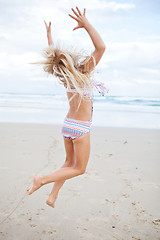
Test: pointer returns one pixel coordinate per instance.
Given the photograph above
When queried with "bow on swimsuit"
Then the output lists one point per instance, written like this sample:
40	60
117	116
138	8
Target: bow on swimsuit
73	128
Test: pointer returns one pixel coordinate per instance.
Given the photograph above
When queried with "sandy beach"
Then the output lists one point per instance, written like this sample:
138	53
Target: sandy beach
116	198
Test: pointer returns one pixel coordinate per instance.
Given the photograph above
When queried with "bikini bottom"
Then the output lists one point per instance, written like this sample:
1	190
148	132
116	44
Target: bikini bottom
73	128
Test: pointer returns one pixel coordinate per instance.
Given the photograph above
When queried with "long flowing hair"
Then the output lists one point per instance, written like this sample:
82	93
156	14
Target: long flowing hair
69	66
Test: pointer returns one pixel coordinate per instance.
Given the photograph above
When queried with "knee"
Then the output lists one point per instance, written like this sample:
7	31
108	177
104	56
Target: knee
80	170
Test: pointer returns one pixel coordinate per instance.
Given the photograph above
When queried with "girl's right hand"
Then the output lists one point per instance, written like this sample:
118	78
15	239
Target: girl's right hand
48	27
81	19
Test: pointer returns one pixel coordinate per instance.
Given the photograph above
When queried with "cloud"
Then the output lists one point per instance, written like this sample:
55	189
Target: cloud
113	6
151	71
136	53
150	37
93	5
131	68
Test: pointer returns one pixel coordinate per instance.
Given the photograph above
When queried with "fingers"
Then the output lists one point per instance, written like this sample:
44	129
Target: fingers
72	17
45	23
78	18
78	11
74	12
76	28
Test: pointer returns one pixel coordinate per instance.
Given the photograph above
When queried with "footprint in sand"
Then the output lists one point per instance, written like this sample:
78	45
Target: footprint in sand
85	229
92	173
48	231
125	195
75	192
22	214
87	219
2	234
116	217
156	222
140	213
128	183
33	225
126	227
134	203
110	154
135	238
107	201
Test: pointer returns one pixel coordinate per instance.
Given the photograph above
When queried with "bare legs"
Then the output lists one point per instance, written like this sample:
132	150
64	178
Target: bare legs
54	193
79	150
58	175
69	147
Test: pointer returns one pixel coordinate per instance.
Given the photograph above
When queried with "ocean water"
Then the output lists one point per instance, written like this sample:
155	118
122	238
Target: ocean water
109	111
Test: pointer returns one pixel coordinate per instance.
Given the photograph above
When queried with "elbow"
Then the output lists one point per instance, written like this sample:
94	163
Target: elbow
102	48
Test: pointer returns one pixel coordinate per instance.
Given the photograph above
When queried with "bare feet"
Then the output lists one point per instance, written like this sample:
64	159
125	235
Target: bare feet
51	201
37	183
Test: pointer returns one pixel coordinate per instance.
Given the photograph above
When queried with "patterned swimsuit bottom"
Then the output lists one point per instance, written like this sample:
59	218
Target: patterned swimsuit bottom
73	128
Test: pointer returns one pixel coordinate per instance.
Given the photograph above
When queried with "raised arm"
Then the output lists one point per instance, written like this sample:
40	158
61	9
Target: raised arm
49	36
94	35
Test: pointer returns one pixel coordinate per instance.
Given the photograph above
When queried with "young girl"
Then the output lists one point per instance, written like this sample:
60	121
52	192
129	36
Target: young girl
76	78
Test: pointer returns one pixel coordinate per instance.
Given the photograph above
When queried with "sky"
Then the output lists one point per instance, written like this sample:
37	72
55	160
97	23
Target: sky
130	30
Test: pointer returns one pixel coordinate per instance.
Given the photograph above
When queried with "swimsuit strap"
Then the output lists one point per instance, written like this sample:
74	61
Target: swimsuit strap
100	87
71	90
85	91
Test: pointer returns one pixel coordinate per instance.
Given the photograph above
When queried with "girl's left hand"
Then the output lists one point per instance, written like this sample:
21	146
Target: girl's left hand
48	27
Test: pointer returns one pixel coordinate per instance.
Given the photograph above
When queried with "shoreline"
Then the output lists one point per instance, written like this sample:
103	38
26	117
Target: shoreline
93	126
115	111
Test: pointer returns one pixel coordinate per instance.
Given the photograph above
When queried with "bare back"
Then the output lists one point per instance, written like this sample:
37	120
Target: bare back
84	111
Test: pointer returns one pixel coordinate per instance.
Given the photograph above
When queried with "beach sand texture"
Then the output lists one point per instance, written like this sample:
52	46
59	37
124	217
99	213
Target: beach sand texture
116	199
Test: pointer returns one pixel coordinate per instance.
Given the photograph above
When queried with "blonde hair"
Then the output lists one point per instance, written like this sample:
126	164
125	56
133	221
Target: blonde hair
70	67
